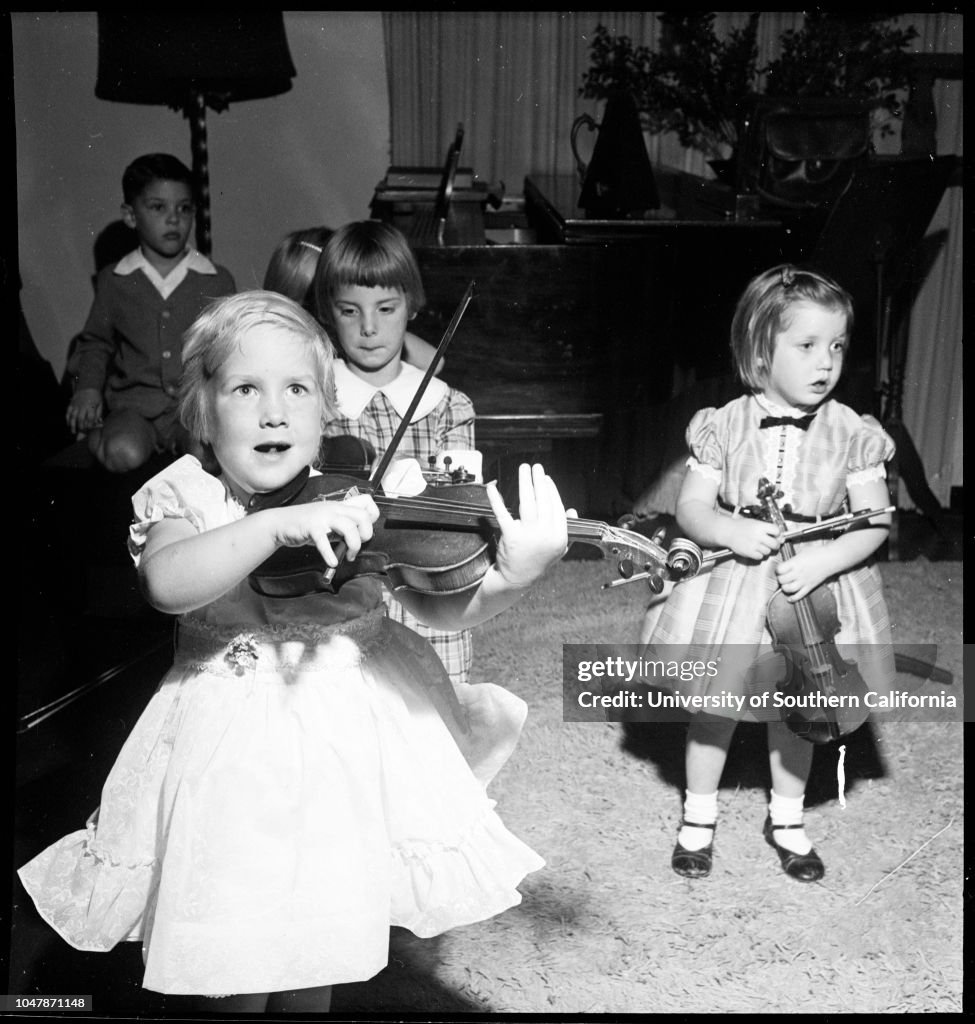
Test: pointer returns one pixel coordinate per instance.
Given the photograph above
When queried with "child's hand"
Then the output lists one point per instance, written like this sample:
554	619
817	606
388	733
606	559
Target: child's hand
84	410
535	541
800	575
312	522
754	539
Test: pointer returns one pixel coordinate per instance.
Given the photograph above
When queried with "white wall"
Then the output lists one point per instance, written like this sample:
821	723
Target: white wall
310	156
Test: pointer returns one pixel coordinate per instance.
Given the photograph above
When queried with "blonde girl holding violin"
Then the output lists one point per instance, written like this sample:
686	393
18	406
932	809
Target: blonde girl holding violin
789	338
290	791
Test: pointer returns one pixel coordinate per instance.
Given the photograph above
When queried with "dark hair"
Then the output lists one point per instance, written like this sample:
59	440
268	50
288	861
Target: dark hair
144	170
763	312
370	254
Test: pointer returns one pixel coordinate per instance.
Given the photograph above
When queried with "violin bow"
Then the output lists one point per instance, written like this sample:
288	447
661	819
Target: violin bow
376	476
383	464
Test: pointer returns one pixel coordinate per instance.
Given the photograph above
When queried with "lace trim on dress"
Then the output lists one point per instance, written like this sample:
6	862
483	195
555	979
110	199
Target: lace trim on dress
704	469
782	460
866	476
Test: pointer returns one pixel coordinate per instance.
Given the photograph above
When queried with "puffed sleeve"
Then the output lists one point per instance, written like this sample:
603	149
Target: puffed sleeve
870	447
703	440
183	490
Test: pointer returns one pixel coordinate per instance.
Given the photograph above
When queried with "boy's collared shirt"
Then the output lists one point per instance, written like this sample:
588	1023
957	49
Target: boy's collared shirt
131	345
192	260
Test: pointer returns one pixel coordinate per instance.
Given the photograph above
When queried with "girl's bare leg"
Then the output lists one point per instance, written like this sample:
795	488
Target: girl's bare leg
708	741
790	759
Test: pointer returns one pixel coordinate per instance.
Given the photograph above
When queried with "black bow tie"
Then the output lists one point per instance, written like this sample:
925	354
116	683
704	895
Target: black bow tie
802	422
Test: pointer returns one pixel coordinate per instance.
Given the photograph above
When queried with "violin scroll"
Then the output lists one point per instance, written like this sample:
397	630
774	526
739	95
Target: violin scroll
684	559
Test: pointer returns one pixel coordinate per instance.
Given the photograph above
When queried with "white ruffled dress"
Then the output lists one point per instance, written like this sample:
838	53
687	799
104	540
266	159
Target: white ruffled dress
289	793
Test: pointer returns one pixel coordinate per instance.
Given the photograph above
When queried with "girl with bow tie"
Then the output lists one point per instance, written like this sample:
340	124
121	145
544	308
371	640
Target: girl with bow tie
789	338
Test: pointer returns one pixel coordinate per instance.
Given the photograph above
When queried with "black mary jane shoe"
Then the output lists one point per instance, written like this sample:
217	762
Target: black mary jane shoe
692	863
803	867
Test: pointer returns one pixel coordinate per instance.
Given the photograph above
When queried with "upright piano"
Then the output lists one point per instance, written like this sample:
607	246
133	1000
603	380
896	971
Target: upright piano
581	324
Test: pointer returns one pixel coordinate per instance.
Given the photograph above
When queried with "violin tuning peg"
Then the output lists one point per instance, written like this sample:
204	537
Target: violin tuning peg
655	581
626	568
659	535
627	521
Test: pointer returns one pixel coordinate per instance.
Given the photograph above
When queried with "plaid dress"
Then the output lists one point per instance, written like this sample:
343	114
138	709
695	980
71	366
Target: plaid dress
722	611
447	424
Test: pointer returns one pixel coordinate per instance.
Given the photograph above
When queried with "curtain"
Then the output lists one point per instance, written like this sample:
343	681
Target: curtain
513	79
933	409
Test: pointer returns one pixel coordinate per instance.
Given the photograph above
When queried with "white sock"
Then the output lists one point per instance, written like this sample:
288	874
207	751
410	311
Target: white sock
787	810
703	809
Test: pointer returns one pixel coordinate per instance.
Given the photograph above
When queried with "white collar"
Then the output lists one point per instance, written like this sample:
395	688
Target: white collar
192	260
353	394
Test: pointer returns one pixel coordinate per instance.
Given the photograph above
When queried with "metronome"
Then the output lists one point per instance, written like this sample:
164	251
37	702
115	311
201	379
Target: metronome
619	180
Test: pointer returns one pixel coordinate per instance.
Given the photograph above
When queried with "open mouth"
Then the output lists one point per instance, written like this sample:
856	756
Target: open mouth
272	448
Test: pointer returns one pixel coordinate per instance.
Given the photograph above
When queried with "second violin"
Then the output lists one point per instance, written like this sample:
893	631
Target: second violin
827	692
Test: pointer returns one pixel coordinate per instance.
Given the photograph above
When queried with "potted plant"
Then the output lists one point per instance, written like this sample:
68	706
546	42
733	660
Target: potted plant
701	86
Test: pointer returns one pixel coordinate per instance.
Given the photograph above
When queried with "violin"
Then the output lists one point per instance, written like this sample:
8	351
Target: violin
441	541
816	674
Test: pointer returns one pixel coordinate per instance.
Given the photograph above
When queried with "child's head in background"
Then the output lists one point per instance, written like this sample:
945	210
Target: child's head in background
291	269
367	288
789	335
257	387
158	205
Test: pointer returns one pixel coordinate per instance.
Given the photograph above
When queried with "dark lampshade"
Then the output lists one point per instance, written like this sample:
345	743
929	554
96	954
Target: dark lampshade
190	62
160	58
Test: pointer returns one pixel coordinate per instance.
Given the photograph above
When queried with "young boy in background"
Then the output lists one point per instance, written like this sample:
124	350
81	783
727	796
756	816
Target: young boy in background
127	360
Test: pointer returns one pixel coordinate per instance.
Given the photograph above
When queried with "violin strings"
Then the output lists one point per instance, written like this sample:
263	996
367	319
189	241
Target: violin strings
460	511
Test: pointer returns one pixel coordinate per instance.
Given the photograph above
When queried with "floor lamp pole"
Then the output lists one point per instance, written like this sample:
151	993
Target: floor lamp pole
196	112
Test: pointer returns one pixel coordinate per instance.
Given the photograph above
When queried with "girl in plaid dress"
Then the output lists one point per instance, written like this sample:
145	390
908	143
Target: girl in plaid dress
291	270
789	337
367	287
